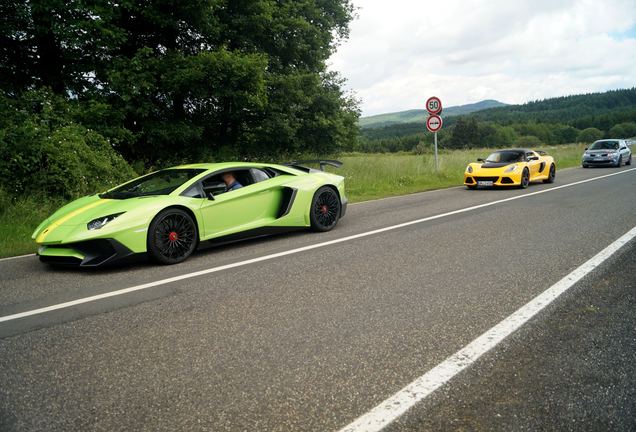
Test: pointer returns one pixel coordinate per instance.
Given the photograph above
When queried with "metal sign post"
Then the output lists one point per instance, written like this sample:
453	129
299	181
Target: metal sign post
434	124
436	162
434	121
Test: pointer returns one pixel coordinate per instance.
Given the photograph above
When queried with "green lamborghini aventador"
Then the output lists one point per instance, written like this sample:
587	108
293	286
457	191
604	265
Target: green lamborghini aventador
169	213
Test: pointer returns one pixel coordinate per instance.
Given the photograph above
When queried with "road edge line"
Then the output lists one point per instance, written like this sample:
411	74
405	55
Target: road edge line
16	257
288	252
395	406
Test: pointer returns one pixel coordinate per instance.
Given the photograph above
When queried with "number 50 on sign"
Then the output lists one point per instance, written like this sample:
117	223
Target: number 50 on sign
434	105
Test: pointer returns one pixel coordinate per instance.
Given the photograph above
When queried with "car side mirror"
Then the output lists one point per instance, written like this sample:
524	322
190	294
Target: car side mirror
585	148
480	160
533	158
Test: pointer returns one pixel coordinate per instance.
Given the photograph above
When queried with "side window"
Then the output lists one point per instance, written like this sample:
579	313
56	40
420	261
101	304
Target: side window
529	155
259	175
193	191
213	185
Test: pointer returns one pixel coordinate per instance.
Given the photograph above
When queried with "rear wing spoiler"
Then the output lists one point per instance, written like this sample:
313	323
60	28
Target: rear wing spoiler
322	162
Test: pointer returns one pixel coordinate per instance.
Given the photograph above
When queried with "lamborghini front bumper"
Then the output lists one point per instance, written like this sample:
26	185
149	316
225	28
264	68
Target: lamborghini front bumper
90	253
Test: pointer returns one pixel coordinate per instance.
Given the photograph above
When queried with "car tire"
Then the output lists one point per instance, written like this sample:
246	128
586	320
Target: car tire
172	236
525	179
325	209
585	166
551	175
471	187
619	162
629	161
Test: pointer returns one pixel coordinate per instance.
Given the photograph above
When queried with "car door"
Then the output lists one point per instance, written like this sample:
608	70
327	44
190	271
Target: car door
249	207
624	151
534	165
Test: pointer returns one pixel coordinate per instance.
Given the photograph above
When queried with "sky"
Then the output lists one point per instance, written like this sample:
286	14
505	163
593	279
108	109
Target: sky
400	52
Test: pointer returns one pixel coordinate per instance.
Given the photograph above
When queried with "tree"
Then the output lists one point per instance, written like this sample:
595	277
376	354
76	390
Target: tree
529	141
465	133
565	134
623	130
168	80
589	135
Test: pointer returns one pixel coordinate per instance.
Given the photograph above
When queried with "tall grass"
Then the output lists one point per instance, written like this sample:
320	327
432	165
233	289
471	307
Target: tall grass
368	176
18	220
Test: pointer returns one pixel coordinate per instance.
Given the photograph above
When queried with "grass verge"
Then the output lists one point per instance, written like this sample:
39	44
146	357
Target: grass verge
18	220
369	176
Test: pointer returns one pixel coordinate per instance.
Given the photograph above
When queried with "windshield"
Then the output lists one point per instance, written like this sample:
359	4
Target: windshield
505	157
159	183
604	145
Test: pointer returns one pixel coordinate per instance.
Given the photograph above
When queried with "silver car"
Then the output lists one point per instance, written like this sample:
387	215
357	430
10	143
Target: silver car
608	152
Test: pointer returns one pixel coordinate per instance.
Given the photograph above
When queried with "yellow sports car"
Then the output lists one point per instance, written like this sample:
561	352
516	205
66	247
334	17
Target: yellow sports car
516	167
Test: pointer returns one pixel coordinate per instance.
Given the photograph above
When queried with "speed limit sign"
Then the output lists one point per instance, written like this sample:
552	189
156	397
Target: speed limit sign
434	105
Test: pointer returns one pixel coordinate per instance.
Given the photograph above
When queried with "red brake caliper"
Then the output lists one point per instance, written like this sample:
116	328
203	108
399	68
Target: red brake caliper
173	237
324	209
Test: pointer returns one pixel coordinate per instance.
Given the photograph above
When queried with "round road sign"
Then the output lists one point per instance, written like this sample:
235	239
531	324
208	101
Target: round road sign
434	123
434	105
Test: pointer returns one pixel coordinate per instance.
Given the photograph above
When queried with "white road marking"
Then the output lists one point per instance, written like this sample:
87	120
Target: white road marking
392	408
351	204
286	253
16	257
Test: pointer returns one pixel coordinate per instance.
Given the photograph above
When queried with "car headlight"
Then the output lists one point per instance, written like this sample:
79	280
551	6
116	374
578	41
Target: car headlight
98	223
511	168
469	169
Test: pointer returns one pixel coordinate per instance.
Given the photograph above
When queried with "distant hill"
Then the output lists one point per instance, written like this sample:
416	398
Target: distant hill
419	115
578	118
577	110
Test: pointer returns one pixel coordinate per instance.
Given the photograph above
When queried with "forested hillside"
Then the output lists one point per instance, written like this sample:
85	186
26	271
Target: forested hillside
90	88
580	118
419	115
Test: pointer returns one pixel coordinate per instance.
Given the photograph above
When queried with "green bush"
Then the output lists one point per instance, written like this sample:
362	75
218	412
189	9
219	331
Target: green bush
528	141
589	135
78	161
5	201
42	152
623	130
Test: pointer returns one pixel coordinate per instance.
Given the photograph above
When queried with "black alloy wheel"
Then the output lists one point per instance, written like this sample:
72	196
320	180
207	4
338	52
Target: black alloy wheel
172	236
629	161
619	162
552	175
325	209
525	178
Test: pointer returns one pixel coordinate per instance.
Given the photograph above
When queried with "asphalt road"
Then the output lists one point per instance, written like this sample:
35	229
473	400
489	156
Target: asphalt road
314	339
572	369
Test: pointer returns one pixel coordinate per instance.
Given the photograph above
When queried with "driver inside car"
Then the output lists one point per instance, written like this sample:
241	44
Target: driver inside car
230	182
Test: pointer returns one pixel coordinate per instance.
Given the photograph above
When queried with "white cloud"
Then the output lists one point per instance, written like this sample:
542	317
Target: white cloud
402	51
